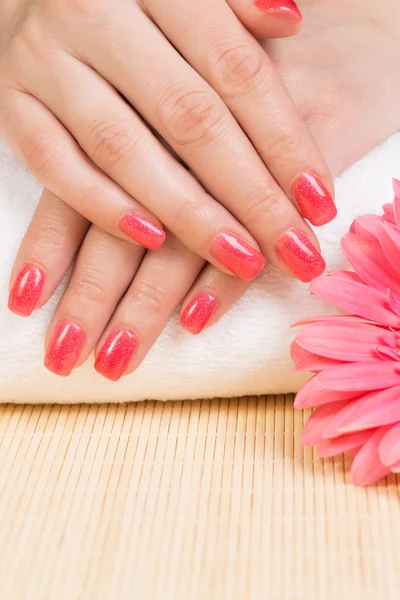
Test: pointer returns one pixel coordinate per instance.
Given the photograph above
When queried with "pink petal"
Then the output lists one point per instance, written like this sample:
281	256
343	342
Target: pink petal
396	201
354	451
389	448
306	361
334	319
369	262
348	276
367	467
345	341
386	353
341	444
314	394
370	411
367	226
320	418
388	210
389	238
396	186
394	302
356	298
361	377
395	468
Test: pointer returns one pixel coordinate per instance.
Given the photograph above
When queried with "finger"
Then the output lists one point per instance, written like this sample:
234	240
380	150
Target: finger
214	293
240	71
118	141
55	159
162	280
209	299
45	253
268	18
103	271
193	120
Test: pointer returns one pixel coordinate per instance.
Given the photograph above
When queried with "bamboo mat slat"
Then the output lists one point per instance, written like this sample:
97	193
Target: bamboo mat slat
206	500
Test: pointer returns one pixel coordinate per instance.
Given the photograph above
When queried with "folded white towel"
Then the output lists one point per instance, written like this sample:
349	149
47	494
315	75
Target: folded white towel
245	353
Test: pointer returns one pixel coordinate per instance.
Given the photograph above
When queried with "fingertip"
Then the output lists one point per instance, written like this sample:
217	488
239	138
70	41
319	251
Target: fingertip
26	290
313	198
299	255
142	230
269	18
115	355
282	9
198	312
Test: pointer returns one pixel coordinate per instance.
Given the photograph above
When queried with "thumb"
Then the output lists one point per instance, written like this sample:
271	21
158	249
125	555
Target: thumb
268	18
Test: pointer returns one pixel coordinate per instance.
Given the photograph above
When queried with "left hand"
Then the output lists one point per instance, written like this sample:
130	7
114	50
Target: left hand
119	297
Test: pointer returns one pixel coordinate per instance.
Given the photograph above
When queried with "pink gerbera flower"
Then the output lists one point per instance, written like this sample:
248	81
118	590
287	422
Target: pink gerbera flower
356	356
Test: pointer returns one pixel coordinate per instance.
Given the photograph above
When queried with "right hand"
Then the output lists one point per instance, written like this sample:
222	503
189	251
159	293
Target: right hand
202	82
109	289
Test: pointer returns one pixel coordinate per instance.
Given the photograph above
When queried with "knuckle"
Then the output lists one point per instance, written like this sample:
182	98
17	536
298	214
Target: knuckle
110	145
262	206
50	232
44	157
239	68
148	296
185	216
91	201
28	35
82	8
194	213
89	287
283	146
190	117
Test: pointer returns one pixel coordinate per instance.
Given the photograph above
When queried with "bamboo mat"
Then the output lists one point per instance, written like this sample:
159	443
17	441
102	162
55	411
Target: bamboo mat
187	500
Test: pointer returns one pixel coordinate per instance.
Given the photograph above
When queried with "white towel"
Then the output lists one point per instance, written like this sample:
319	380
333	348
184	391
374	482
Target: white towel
247	352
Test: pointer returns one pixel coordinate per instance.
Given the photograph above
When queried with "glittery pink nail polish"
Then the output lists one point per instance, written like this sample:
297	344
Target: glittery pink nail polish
142	231
65	347
237	256
295	249
26	290
313	199
280	8
199	311
116	353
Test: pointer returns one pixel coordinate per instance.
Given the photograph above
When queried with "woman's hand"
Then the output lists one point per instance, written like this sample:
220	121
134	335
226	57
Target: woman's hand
80	80
119	297
347	118
342	70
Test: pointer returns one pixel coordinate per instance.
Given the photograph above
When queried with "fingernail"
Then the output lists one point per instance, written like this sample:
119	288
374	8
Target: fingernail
142	231
65	347
237	256
297	252
26	290
313	199
280	8
199	311
116	353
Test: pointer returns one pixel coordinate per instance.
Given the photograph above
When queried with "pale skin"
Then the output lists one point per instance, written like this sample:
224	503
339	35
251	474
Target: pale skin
208	90
335	105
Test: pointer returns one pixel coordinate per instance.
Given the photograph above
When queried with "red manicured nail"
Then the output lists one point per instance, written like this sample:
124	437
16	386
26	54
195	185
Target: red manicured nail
280	8
65	347
26	290
113	359
237	256
199	311
295	249
142	231
313	199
